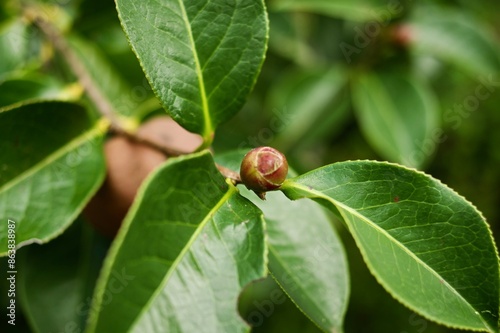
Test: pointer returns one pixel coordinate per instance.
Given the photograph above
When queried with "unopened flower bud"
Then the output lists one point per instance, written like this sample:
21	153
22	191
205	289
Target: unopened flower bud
263	169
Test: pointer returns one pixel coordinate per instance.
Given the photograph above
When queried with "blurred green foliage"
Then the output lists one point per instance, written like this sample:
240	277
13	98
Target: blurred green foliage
303	105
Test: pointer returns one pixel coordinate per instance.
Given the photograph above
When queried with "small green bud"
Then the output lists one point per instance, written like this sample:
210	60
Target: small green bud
263	169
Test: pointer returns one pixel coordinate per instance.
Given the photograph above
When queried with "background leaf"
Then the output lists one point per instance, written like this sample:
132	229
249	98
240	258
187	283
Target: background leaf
398	114
306	256
457	38
31	88
58	278
428	246
315	103
202	58
119	93
186	249
287	39
51	164
356	10
14	42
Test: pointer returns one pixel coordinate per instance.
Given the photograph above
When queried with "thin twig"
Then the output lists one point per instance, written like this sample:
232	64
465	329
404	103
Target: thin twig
135	137
101	103
169	152
228	173
56	38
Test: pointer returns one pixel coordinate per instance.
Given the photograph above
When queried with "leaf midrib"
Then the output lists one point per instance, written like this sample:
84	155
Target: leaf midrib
230	192
55	155
207	130
354	212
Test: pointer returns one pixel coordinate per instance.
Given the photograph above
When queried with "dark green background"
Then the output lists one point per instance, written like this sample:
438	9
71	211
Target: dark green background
467	160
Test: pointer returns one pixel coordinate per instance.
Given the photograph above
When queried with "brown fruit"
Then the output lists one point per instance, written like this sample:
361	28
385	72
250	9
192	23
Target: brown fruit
128	164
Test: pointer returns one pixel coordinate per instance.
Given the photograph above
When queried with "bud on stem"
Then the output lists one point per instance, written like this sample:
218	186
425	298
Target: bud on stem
263	169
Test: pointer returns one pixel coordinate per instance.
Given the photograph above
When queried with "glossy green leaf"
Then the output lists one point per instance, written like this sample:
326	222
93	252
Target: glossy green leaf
399	116
429	247
201	57
355	10
306	256
457	38
187	247
312	101
58	278
51	164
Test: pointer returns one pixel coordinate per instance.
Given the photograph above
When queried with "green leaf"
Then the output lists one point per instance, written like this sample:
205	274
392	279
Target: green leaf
287	39
58	278
306	256
201	57
313	101
51	164
355	10
307	259
399	116
32	87
429	247
187	247
14	41
457	38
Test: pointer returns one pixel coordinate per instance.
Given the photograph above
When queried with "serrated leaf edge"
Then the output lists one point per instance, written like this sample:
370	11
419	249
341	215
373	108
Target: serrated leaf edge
106	270
289	184
94	133
230	192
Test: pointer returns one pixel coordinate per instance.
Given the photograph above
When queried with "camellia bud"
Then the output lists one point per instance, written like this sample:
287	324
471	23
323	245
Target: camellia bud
263	169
